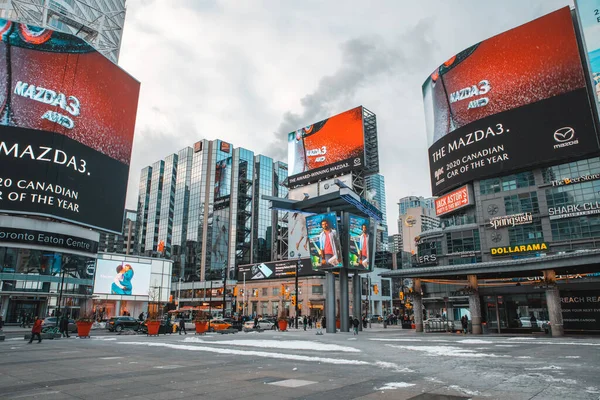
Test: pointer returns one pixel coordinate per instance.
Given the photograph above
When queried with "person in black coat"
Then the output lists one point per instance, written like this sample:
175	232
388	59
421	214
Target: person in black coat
323	323
64	326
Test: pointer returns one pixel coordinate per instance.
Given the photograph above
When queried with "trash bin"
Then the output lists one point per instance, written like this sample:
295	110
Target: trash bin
484	328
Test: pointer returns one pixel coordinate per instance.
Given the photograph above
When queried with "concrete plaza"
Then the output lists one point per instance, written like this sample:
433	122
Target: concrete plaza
378	363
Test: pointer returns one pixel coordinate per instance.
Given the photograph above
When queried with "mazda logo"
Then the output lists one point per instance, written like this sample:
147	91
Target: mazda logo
564	134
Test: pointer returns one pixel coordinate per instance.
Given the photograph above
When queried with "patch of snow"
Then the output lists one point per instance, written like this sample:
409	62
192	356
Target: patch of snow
352	338
434	380
475	341
252	353
395	385
448	351
521	338
524	357
395	367
506	345
464	391
592	389
551	379
482	348
554	367
572	356
295	369
279	344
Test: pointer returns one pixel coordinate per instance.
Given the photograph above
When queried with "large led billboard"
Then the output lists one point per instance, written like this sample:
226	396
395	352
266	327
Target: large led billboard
67	117
122	278
335	145
324	238
275	270
512	101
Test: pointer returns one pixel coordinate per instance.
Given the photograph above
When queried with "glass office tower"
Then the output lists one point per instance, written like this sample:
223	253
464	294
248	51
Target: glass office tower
205	204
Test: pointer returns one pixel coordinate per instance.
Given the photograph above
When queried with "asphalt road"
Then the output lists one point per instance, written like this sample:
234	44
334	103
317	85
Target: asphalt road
389	363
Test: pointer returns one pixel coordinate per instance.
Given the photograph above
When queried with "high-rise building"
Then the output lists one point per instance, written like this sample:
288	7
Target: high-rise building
395	243
375	186
114	243
417	215
98	22
205	205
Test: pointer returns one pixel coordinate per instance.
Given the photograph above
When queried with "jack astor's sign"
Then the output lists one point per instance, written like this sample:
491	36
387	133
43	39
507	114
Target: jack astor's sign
511	220
523	248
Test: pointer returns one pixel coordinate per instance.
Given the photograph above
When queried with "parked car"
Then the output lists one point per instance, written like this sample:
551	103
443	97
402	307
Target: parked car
262	323
117	324
51	321
376	318
218	325
526	322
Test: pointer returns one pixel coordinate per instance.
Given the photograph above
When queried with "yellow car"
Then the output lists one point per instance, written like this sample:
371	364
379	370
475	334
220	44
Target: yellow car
218	325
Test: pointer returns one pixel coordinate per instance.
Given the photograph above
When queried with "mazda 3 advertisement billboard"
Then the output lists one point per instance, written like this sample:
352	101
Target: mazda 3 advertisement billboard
67	118
330	147
512	101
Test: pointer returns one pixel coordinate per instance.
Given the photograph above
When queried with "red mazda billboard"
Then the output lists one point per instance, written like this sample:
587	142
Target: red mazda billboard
66	128
488	107
330	147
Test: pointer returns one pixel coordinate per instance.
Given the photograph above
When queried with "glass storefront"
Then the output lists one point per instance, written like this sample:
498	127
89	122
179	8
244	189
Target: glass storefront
515	312
30	282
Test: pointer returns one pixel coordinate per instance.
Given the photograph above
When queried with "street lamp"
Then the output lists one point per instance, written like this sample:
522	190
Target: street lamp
244	297
297	299
224	288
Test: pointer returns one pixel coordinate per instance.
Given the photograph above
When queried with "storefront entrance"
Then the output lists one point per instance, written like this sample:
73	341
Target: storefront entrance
515	313
17	309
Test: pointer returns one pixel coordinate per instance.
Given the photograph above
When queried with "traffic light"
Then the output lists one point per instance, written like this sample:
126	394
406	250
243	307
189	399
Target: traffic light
294	300
401	295
255	293
375	289
235	291
282	288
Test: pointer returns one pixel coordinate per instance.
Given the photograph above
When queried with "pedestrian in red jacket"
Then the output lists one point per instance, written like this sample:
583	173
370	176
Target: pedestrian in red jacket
36	330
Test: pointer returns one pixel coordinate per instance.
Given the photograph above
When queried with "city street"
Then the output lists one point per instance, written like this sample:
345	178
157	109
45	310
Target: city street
380	363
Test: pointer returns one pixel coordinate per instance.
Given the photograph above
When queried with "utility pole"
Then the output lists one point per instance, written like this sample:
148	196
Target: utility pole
369	301
296	283
179	294
60	293
244	297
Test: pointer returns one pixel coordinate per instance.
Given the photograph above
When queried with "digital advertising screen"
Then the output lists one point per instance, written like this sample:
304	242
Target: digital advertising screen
275	270
588	12
67	118
361	243
324	238
335	145
122	278
488	106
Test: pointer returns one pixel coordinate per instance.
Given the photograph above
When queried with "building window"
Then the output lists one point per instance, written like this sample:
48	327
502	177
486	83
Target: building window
571	170
264	291
576	228
386	287
464	260
317	289
458	242
506	183
276	291
525	234
521	203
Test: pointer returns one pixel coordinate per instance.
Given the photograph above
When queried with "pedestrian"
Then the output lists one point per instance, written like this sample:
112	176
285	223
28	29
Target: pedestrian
182	325
355	324
1	323
323	322
256	322
36	330
141	316
305	322
64	326
465	323
310	322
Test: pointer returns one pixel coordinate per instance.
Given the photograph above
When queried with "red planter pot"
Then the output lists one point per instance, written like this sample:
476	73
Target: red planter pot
201	327
153	327
282	325
83	328
338	324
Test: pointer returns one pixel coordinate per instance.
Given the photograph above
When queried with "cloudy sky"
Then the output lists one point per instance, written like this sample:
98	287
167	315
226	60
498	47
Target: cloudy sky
248	72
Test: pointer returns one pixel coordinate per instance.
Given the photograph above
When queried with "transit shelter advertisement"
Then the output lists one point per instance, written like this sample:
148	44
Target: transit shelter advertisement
66	128
580	310
483	118
122	278
335	145
324	237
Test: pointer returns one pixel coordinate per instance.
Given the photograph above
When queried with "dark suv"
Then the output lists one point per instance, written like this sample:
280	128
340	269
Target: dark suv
119	323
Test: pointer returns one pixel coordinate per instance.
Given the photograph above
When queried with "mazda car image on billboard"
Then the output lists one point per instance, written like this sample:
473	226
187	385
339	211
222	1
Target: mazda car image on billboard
335	145
515	100
67	117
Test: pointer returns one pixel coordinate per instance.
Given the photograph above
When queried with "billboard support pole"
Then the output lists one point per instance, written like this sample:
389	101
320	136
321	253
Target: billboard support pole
357	302
344	303
296	291
330	296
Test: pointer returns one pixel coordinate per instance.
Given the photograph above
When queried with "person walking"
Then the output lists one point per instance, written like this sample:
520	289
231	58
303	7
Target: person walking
36	330
64	326
355	324
310	322
1	323
304	322
324	322
182	325
465	324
